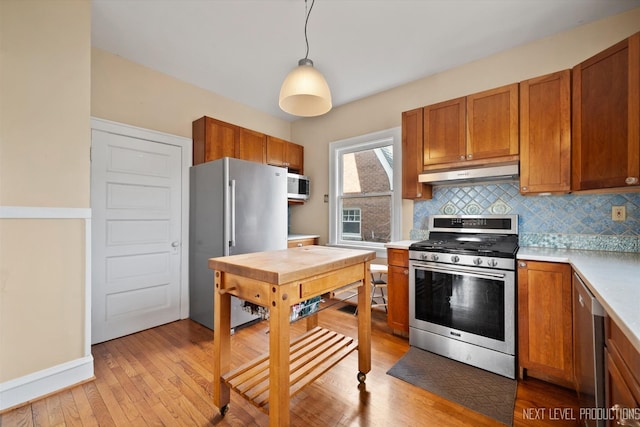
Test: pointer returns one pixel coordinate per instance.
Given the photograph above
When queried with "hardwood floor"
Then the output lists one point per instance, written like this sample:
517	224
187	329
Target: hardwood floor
162	376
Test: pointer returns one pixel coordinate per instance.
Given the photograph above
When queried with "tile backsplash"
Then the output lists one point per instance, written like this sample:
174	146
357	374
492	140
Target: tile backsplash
576	221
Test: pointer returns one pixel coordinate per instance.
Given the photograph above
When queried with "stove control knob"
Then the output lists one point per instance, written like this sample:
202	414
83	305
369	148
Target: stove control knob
424	257
455	259
434	257
477	261
493	263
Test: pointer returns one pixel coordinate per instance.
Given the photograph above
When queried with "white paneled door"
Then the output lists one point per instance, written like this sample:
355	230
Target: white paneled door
136	234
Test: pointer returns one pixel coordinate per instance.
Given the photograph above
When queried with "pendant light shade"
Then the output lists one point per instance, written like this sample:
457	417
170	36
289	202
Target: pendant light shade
305	92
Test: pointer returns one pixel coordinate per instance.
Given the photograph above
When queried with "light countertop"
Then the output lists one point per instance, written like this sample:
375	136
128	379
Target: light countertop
302	236
400	244
612	277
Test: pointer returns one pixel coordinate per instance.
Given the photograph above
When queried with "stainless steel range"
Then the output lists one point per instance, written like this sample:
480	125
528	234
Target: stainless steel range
462	290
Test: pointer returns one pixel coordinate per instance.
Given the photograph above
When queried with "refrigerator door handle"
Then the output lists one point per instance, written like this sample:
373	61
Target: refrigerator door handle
232	241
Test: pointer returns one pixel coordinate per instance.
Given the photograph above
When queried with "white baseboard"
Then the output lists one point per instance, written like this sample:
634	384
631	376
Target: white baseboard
38	384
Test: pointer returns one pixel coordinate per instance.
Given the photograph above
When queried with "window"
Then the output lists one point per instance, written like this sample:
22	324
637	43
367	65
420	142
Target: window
364	208
351	224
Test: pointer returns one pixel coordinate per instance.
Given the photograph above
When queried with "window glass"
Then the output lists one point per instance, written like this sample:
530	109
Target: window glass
351	224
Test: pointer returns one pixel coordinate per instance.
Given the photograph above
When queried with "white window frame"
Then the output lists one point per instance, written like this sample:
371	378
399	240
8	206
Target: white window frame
337	149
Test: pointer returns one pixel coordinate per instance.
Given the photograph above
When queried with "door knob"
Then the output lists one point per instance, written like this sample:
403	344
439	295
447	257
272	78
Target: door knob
175	244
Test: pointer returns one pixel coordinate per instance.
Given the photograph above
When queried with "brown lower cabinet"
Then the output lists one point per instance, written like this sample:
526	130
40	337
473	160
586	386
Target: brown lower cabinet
545	332
622	379
545	340
398	291
306	241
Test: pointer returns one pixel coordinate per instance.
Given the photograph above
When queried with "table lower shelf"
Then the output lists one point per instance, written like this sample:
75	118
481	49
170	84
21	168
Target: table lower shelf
310	355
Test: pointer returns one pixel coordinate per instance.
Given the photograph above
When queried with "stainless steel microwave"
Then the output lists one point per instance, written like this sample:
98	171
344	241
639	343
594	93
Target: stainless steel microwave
297	186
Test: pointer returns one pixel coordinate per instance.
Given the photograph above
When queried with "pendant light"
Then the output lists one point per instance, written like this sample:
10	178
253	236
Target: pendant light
304	91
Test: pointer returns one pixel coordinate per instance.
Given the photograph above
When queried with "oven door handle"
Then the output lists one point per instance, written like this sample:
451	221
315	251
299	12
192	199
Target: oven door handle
453	270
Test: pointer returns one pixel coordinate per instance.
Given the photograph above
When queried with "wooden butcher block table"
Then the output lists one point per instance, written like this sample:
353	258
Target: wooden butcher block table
278	280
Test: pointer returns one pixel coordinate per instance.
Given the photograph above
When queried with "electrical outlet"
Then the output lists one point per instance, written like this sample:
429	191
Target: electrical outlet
618	213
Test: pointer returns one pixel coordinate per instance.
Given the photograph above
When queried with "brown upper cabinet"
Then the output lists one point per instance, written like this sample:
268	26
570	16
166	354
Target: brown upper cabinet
445	137
284	153
606	118
214	139
252	146
545	134
492	123
476	129
412	156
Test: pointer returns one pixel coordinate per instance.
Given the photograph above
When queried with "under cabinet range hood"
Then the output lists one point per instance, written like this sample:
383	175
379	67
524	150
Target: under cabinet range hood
478	174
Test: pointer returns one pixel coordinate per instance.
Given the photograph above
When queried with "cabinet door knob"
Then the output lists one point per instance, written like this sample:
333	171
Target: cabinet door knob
522	264
462	157
632	180
525	188
406	272
469	156
299	245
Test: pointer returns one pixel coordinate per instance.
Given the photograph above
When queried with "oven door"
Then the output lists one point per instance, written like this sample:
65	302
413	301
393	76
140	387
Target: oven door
472	305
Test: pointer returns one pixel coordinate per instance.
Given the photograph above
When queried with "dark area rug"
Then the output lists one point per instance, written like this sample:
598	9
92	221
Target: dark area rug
479	390
349	308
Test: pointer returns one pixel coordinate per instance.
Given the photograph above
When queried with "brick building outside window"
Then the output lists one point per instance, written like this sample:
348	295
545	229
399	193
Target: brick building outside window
366	194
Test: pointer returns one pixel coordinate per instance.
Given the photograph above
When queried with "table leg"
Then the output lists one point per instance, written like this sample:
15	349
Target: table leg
221	342
279	359
312	321
364	323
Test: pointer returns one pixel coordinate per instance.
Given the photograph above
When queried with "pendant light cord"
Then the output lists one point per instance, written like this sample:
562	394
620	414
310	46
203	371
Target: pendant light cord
306	40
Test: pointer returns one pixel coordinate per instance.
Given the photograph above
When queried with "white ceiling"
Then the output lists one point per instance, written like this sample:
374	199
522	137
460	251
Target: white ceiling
243	49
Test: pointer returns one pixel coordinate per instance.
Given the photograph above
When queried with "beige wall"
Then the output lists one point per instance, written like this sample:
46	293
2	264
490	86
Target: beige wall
126	92
42	306
384	110
44	164
45	100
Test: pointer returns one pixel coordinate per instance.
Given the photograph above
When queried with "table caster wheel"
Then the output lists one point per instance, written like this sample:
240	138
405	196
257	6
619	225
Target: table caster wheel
362	377
224	410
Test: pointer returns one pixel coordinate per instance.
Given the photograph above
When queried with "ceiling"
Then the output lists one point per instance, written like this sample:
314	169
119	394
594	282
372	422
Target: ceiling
243	49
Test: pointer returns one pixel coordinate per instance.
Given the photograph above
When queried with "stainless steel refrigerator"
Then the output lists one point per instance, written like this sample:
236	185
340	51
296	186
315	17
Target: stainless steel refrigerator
236	207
